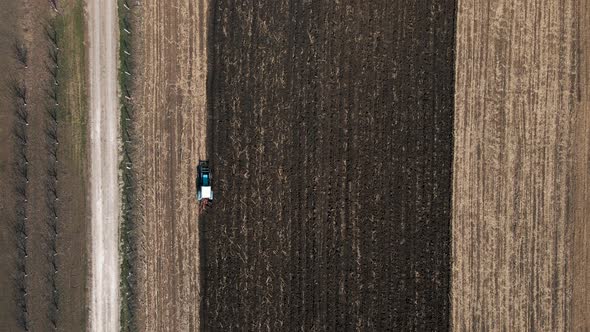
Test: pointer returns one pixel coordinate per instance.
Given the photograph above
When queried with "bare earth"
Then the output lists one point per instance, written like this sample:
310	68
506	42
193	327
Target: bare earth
104	189
512	229
26	21
9	13
171	123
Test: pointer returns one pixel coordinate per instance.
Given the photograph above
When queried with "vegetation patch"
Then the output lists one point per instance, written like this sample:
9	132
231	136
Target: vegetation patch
20	97
54	109
128	246
45	185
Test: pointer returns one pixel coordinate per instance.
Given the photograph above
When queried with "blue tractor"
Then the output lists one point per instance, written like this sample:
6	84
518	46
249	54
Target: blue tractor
204	192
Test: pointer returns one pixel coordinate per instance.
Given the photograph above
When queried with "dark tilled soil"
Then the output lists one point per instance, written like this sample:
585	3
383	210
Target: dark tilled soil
331	145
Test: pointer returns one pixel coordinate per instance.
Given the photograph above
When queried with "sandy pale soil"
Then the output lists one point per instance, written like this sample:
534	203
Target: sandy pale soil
104	189
512	229
170	127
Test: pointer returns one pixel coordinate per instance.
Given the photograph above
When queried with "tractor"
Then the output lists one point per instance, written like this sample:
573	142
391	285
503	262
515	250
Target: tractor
203	182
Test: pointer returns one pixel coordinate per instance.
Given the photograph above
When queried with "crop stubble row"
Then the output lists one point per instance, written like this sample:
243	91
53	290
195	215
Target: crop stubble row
331	139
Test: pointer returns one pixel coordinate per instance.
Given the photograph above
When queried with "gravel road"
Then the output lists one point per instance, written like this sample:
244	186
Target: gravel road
104	195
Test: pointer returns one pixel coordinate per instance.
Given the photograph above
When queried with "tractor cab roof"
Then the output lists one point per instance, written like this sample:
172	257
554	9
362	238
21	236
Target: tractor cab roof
206	193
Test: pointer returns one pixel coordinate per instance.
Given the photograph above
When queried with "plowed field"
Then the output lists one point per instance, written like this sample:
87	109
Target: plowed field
331	133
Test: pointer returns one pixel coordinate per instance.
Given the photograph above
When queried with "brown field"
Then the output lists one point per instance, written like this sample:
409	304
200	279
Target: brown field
170	104
26	21
581	181
378	165
9	12
515	103
331	145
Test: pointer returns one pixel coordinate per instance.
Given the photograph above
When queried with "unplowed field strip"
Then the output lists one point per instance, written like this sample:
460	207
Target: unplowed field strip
171	62
514	106
332	156
581	180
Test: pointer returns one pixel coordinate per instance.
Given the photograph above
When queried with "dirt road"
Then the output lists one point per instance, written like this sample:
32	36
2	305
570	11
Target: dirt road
104	190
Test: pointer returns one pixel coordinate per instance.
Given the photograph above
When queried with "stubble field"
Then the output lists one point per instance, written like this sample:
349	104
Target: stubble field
580	266
170	57
331	137
520	164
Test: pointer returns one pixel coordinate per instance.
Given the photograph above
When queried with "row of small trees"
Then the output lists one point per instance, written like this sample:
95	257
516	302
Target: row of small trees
20	97
128	239
51	183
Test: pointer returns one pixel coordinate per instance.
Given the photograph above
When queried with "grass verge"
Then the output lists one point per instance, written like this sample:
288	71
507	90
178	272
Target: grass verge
68	107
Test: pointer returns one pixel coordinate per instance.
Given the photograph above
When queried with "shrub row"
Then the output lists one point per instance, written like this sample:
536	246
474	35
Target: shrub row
128	240
19	94
51	182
